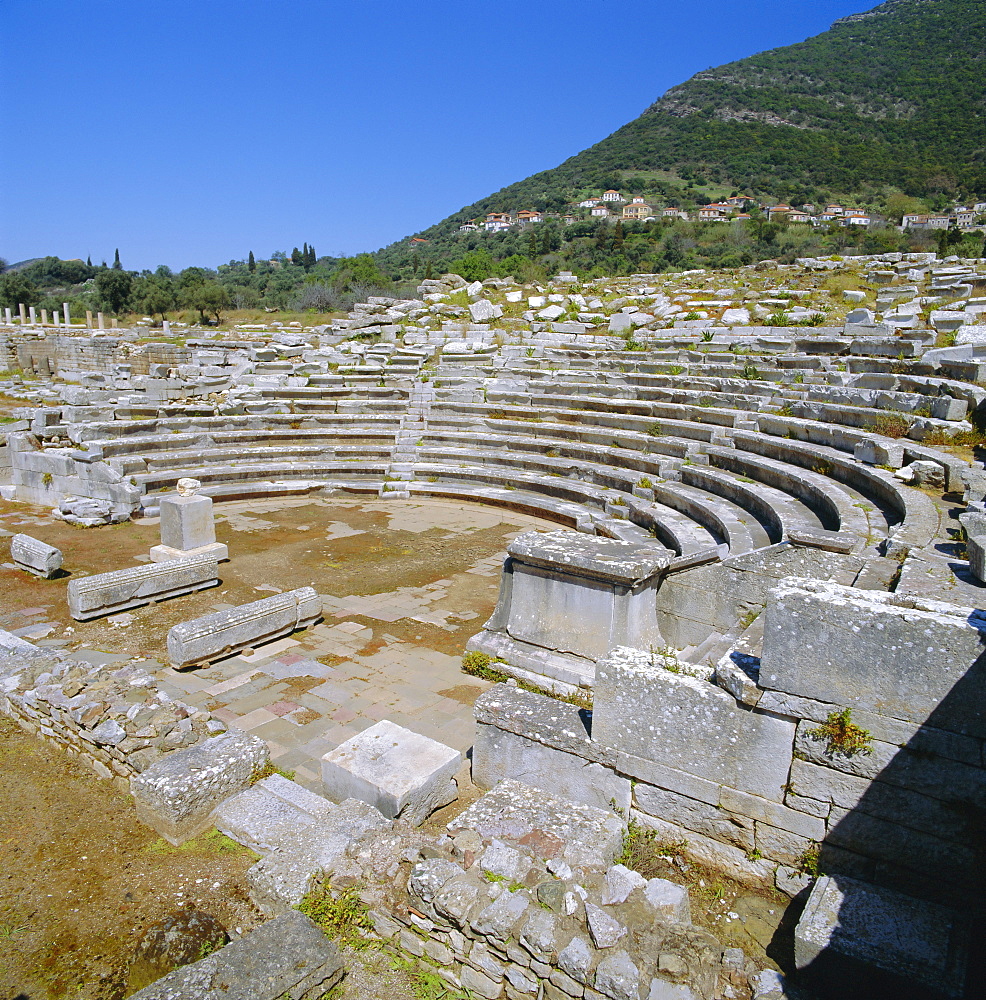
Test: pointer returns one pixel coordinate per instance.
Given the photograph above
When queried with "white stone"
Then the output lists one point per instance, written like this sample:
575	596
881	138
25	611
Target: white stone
399	772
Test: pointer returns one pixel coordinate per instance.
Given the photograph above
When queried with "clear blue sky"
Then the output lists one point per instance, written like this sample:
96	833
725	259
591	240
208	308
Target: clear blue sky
192	131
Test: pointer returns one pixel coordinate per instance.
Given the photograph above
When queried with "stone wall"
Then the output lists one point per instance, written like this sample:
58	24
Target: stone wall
59	353
738	766
522	900
113	717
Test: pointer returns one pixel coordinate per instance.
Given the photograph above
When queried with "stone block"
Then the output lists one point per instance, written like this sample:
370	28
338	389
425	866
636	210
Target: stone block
617	977
187	528
575	596
35	556
498	754
177	795
689	724
831	643
913	939
698	816
225	633
545	826
399	772
108	593
286	957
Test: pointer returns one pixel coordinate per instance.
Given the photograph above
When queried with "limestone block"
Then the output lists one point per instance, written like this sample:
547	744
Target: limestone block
286	957
35	556
498	754
578	594
227	632
689	724
913	939
893	655
176	795
399	772
108	593
483	311
187	528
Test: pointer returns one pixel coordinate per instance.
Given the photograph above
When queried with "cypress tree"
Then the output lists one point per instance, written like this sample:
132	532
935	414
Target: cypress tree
251	262
117	266
89	261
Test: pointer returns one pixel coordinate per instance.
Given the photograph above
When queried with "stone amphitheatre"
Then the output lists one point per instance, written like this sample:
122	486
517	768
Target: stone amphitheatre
714	586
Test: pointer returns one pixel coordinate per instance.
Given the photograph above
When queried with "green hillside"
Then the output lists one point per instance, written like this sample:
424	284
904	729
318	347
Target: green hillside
892	99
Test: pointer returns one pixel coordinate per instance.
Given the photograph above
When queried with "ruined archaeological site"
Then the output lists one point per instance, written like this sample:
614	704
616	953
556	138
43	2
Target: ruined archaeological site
534	641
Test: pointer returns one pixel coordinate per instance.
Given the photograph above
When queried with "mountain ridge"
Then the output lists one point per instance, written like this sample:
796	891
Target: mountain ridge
890	98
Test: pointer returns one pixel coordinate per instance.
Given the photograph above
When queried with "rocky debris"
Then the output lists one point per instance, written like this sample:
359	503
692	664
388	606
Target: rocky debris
86	512
112	715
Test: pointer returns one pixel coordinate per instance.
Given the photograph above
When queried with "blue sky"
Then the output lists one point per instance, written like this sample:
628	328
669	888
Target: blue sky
192	131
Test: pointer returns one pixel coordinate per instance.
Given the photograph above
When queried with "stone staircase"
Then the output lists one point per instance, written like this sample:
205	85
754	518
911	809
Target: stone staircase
296	832
414	421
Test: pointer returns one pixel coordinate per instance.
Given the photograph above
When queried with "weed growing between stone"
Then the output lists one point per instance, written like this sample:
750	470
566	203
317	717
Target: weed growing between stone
426	984
342	916
843	737
478	664
259	773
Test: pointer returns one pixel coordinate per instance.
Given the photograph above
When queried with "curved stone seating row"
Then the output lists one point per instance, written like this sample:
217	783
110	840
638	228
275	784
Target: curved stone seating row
835	509
914	519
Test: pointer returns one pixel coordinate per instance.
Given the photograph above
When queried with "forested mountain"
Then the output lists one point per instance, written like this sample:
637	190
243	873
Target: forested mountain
891	99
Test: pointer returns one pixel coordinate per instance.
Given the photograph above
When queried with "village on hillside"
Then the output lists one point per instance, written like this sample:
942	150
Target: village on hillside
613	204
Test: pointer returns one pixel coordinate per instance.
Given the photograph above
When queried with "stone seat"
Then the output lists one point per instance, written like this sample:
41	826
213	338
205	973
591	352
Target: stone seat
913	519
208	475
832	505
236	456
778	513
727	522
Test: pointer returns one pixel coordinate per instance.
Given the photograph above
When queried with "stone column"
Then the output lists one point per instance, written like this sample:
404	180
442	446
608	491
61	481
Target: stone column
34	316
187	526
167	328
66	314
114	322
23	312
44	317
54	318
102	322
7	315
88	319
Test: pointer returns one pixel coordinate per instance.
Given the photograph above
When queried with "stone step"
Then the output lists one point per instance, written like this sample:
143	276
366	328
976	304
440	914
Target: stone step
269	812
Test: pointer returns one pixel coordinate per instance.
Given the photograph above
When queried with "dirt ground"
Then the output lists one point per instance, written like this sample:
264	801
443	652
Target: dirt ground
81	878
274	551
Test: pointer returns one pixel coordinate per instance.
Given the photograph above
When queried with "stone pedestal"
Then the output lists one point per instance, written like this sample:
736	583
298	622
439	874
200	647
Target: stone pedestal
566	600
187	529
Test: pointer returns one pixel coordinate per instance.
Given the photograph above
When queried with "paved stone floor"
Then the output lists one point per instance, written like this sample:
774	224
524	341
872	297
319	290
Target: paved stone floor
378	653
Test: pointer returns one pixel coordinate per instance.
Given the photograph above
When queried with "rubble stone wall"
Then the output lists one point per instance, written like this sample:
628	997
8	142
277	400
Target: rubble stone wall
113	717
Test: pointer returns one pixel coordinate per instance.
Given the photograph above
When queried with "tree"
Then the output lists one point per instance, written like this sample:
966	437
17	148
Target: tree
88	261
295	256
251	263
113	288
210	298
618	237
117	266
15	288
311	256
153	295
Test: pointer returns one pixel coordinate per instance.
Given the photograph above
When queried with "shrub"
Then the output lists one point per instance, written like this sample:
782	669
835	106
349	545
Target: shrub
892	425
343	917
842	736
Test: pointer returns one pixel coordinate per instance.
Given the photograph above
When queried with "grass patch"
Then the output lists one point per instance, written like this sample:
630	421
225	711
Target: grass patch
480	665
212	842
427	984
646	852
343	917
269	768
